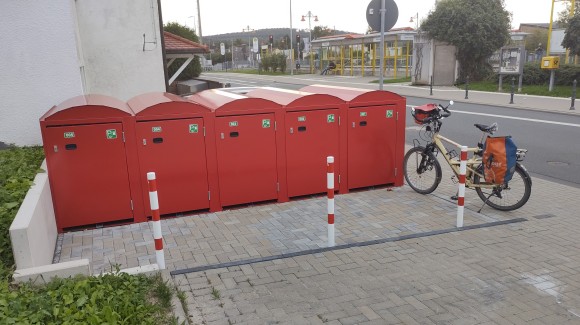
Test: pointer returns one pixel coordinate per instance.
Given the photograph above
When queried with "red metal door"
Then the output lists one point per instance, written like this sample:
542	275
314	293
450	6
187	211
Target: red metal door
89	181
246	151
371	145
175	151
311	136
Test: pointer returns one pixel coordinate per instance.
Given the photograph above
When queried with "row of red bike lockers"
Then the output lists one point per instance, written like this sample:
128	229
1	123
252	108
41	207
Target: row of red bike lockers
215	149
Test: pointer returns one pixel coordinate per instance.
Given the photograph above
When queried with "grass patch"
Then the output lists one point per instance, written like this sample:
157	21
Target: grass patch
215	293
108	299
539	90
393	81
111	299
18	167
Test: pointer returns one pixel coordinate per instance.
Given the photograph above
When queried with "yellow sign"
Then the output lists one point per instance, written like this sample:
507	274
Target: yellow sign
550	62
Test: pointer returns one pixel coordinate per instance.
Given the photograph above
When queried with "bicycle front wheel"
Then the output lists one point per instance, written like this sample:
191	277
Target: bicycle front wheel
510	196
422	170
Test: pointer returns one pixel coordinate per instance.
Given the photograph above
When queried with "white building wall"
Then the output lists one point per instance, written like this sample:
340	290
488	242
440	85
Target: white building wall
38	65
111	33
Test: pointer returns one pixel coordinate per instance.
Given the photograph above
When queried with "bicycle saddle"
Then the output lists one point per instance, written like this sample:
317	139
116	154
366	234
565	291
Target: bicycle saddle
488	129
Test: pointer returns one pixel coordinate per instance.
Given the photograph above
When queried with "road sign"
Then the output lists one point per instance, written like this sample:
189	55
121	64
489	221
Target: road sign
222	48
255	45
374	14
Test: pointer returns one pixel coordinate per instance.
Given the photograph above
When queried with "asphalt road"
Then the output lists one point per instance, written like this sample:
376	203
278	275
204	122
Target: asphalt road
552	139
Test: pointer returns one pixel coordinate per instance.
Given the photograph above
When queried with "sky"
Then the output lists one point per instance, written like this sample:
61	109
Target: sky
227	16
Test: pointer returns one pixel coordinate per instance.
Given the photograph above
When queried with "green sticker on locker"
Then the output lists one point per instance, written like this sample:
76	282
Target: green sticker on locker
156	129
266	123
193	128
330	118
233	123
301	118
389	113
69	135
363	113
112	134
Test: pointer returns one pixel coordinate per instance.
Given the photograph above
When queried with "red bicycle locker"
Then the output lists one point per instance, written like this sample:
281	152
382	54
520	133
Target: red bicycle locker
247	146
376	134
311	134
172	142
89	144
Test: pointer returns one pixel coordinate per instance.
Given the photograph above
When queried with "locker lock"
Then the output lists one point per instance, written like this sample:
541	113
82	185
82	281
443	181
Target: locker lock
291	130
55	148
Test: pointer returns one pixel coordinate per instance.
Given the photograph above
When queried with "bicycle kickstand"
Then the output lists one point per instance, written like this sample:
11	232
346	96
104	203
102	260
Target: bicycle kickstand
484	203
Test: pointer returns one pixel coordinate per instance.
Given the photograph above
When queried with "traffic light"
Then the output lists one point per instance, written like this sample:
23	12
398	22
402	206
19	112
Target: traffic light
298	39
271	39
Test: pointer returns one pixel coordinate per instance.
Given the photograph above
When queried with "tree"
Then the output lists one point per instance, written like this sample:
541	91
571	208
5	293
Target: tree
564	15
572	36
193	70
477	28
535	38
321	31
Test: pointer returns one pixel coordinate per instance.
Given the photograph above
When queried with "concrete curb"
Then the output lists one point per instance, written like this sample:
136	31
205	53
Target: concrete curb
176	305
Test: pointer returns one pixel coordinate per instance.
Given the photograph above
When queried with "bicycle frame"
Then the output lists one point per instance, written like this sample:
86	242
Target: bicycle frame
472	163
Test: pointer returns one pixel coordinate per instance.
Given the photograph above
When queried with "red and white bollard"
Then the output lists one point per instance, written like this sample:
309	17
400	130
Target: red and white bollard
157	236
330	187
461	191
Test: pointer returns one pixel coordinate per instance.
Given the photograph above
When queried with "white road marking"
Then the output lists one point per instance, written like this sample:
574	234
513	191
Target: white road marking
513	118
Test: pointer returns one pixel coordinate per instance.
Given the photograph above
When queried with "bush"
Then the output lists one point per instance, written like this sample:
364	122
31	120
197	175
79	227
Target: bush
565	75
18	166
281	58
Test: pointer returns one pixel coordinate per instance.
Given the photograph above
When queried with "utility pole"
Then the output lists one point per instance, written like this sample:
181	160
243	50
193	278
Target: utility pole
199	22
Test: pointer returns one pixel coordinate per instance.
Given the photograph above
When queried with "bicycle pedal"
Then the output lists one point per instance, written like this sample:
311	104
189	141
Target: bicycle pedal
454	198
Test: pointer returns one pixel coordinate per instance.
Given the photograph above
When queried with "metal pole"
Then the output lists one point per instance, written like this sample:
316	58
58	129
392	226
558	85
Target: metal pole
513	89
461	190
500	83
291	43
330	194
381	73
199	22
310	41
573	95
550	29
552	77
431	87
157	235
466	87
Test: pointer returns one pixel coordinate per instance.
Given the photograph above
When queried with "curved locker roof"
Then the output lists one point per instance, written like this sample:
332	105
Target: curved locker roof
87	107
224	103
355	96
162	104
296	99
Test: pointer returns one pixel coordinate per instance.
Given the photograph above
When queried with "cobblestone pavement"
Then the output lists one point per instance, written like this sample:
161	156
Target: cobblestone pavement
510	274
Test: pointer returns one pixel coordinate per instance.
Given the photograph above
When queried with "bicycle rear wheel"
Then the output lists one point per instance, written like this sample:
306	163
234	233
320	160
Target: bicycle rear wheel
422	170
510	196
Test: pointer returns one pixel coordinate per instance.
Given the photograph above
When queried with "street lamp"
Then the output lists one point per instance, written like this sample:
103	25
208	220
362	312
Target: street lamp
249	30
309	15
416	19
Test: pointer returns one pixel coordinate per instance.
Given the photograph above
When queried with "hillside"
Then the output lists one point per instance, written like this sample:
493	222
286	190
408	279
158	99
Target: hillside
262	34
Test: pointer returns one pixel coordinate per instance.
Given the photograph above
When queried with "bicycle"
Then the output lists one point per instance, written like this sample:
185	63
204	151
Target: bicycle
423	171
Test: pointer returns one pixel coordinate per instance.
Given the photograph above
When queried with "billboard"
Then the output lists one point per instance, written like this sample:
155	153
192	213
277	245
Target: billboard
512	60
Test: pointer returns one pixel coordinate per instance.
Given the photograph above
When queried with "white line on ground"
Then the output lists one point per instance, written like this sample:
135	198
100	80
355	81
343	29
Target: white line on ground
514	118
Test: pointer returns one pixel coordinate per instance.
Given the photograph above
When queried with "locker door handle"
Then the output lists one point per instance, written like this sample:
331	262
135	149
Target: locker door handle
363	123
291	130
71	146
234	134
301	128
353	124
157	140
